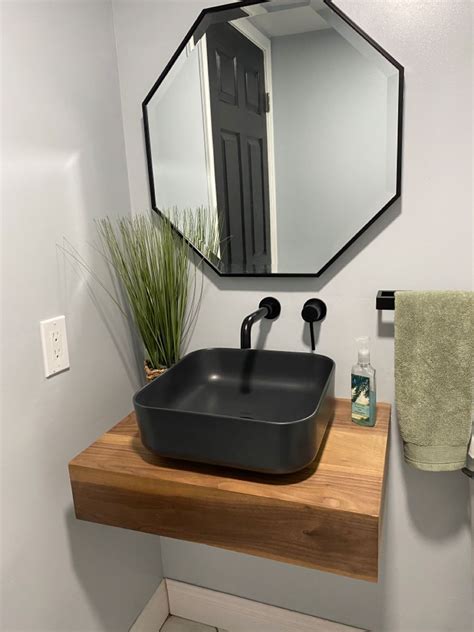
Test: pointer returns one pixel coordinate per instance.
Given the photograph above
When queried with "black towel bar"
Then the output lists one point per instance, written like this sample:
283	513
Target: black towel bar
385	299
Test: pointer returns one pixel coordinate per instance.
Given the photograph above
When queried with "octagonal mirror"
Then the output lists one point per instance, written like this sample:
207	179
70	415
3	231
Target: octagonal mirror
275	130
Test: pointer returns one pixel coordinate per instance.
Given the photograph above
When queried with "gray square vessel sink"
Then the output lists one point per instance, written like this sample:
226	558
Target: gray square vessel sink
265	411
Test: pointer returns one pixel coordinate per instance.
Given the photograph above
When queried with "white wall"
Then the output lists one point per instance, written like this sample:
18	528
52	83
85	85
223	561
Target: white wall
423	242
64	165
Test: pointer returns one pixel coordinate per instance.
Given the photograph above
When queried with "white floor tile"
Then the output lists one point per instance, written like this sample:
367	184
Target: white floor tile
176	624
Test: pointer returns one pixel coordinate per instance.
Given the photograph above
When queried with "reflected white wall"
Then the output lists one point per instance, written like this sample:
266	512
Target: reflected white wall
176	122
330	131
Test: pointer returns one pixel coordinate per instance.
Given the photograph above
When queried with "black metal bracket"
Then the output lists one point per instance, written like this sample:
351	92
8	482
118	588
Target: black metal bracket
385	299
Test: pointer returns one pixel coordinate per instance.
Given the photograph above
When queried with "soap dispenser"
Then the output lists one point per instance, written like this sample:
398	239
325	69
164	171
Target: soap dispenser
363	387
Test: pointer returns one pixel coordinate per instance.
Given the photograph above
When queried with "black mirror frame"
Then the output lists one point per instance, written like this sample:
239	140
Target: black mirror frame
236	5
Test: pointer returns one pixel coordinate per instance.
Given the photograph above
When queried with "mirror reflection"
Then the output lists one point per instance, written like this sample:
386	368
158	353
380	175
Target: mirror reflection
278	126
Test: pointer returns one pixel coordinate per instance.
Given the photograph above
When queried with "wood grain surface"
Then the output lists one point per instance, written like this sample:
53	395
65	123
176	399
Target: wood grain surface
328	516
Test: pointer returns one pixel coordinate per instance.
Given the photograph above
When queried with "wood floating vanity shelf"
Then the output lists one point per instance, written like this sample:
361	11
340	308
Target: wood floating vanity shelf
328	516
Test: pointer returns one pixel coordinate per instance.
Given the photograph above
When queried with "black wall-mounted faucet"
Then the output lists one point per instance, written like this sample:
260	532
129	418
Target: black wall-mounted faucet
314	310
269	307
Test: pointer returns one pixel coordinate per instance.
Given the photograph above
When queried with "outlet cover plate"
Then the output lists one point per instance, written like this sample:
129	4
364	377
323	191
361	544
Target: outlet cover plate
54	343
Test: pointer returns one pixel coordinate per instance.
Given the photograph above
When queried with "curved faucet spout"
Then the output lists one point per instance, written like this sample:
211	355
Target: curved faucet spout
269	308
246	329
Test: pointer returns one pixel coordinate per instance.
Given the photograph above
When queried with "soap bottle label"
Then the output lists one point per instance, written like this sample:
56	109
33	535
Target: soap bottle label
360	399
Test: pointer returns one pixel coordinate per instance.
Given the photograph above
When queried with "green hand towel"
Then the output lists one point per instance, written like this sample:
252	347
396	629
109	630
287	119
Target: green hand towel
433	373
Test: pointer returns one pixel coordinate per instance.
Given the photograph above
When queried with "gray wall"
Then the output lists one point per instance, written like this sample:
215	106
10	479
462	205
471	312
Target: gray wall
330	128
64	165
423	242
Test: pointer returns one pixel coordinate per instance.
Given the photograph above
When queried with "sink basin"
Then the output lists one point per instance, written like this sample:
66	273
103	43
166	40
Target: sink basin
259	410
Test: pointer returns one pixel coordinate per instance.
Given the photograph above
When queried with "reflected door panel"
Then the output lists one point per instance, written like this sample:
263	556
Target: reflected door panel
239	133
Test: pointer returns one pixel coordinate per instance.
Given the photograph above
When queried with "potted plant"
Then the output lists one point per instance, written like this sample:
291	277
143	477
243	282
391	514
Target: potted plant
153	265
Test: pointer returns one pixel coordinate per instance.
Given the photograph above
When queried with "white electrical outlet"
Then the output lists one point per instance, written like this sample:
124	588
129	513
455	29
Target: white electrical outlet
54	342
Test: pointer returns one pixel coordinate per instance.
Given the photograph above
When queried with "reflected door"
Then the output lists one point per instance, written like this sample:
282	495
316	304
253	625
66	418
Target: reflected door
239	131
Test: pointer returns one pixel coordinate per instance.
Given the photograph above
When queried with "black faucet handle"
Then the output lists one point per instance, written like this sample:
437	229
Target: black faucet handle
314	310
273	306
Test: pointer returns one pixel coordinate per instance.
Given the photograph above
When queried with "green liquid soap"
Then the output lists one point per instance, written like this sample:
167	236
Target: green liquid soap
363	387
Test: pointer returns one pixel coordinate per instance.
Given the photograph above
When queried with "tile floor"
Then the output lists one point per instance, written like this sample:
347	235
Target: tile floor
176	624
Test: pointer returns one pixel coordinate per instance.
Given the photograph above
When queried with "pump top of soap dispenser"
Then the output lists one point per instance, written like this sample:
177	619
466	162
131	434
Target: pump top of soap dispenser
363	352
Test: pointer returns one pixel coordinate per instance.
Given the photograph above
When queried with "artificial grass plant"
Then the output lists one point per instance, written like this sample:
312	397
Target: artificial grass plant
153	265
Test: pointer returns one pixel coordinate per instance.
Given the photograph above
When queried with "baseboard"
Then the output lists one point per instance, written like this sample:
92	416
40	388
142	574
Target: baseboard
155	613
236	614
